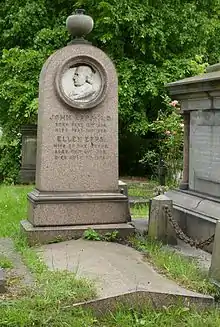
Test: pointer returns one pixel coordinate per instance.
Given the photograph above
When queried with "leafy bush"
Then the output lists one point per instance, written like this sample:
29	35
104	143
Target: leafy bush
150	42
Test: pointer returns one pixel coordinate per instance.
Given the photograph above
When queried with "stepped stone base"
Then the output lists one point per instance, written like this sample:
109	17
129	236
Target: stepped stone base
51	234
69	208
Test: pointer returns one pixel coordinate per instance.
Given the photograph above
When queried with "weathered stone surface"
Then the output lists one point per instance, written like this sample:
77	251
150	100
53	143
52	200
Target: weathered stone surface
49	209
199	209
116	271
159	226
77	144
142	298
214	271
204	174
28	156
77	149
50	234
196	214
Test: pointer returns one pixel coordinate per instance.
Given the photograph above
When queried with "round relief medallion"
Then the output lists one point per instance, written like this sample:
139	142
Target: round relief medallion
81	82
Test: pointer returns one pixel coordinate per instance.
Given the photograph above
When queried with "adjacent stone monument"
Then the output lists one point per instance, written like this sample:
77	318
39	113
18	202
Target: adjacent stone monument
28	155
77	144
197	202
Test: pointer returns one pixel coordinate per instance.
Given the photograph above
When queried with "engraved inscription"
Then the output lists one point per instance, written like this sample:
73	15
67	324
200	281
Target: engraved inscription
79	137
204	147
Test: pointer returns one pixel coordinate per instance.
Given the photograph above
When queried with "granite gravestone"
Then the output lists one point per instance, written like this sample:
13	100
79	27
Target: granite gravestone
197	202
77	144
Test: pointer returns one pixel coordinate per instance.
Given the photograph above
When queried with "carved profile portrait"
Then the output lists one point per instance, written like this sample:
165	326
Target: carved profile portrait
81	84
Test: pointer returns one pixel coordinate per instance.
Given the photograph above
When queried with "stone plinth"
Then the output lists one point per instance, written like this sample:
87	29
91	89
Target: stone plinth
197	207
77	144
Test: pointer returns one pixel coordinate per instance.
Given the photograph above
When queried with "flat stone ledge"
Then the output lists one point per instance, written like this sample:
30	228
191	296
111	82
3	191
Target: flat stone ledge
52	234
139	299
2	281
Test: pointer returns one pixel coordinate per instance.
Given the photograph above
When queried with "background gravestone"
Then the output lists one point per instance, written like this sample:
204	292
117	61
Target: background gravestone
77	144
28	155
197	202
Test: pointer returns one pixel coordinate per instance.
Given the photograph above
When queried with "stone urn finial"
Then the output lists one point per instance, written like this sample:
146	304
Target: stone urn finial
79	25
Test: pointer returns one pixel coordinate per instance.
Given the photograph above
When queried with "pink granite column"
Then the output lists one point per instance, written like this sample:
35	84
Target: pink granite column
185	181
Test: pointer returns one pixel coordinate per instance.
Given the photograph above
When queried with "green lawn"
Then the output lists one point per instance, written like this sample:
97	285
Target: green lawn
181	269
49	302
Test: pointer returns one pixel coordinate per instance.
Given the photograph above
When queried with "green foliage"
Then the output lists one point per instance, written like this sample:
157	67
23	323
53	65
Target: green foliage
5	263
183	270
151	43
111	236
168	128
91	234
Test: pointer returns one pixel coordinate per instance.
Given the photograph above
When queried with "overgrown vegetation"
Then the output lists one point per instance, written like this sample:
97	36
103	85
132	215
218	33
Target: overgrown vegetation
52	290
5	262
150	42
175	266
92	235
50	300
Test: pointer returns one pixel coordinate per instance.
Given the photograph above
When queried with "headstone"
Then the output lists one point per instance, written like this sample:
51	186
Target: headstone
77	143
197	202
28	155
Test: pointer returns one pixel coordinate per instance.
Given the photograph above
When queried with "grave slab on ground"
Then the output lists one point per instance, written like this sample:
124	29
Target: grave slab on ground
116	269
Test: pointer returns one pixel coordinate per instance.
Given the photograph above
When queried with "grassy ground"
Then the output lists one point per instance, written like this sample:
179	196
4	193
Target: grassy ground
5	262
140	211
52	289
184	271
49	301
141	189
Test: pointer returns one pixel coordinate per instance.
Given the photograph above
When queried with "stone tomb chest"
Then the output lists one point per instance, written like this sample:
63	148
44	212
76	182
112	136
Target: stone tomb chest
204	152
197	201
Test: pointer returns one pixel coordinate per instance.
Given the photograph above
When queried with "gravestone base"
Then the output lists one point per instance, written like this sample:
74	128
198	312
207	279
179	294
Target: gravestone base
196	214
27	176
68	208
56	216
51	234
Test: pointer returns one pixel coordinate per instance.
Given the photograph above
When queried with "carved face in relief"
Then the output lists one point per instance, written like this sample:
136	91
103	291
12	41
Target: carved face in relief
81	83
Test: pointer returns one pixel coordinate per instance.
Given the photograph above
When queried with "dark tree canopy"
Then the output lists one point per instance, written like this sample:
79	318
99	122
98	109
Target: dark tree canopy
151	42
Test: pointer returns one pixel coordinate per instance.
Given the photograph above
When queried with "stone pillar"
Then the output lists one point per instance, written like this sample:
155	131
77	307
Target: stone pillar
29	148
185	181
214	270
159	227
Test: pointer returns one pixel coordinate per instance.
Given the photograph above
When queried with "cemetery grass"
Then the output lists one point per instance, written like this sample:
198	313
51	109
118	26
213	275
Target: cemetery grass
5	262
51	288
144	190
49	301
141	188
185	271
